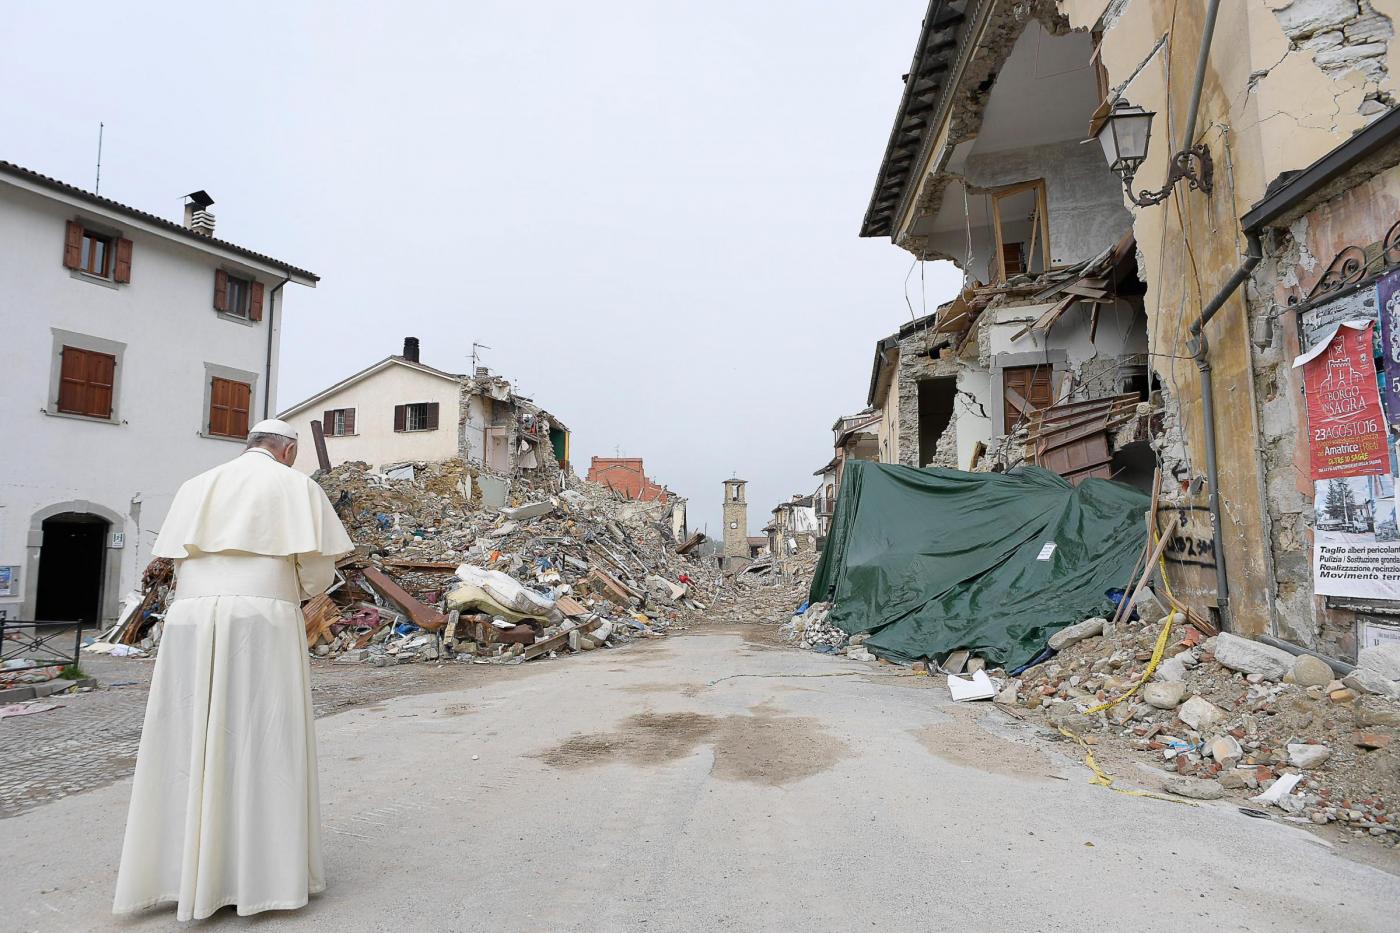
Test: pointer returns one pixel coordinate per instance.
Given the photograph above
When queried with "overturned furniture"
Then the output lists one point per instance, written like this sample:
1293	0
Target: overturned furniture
931	561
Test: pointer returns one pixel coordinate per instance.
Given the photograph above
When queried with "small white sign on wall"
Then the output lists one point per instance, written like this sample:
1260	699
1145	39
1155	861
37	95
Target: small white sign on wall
1372	634
118	540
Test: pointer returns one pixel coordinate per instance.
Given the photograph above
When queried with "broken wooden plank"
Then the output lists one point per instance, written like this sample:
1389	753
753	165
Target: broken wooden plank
555	642
570	607
421	564
424	617
691	543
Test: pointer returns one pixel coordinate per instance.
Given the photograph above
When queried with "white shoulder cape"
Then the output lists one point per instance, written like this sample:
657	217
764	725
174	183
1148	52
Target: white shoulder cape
254	504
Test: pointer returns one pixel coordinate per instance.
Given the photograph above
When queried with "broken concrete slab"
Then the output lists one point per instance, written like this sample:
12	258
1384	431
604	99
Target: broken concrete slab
1201	715
1252	657
521	513
1164	694
1364	680
1307	756
1074	634
1194	788
1382	659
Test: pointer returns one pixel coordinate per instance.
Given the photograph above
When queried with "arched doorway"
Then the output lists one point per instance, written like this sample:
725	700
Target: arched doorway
72	562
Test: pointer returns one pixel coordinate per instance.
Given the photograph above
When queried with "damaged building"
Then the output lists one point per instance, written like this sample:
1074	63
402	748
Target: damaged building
402	410
1177	229
1042	355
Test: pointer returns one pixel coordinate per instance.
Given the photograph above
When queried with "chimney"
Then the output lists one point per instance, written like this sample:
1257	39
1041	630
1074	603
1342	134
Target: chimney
197	217
482	372
410	349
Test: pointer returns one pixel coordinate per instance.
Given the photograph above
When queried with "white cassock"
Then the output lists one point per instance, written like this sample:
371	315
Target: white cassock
224	807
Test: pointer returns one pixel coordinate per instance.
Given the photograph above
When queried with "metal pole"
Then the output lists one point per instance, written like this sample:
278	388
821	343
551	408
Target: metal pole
1207	32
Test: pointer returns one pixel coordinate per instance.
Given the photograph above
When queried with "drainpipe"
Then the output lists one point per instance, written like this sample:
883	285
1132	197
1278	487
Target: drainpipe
1200	349
1200	346
1207	33
267	369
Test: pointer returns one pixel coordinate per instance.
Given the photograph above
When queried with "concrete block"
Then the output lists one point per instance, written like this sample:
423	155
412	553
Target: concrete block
526	512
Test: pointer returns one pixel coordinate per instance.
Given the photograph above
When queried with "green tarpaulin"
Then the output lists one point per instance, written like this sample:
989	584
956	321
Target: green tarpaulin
932	560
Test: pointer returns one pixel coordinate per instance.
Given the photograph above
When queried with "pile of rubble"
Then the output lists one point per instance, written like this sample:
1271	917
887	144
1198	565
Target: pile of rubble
767	598
1225	713
567	566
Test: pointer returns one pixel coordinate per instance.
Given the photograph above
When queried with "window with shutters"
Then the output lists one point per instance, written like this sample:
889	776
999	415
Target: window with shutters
1025	389
338	422
85	383
99	254
229	402
419	416
238	297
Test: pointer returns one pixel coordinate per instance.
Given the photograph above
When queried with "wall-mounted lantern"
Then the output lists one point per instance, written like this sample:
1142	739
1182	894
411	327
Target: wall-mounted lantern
1125	135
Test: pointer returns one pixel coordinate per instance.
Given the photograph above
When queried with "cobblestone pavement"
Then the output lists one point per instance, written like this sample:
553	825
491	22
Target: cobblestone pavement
91	740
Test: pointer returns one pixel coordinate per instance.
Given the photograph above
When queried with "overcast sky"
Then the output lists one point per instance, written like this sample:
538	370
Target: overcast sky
649	211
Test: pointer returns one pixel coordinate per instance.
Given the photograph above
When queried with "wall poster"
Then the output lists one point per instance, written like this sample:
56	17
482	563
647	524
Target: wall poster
1351	442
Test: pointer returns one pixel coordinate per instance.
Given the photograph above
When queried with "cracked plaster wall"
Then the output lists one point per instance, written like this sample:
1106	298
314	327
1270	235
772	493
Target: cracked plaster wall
1284	85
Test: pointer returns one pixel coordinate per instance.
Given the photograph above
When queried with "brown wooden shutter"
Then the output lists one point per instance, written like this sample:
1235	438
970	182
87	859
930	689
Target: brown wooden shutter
220	290
349	421
328	422
122	271
400	417
73	245
255	302
240	402
432	416
218	406
72	381
101	376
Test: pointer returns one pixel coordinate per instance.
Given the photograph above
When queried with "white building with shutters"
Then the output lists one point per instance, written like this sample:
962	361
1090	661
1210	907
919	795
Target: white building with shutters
400	410
135	352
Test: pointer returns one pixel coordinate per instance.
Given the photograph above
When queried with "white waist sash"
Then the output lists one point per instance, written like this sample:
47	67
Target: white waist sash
236	573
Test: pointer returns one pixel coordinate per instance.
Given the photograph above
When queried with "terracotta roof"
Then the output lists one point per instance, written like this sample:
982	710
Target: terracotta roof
170	226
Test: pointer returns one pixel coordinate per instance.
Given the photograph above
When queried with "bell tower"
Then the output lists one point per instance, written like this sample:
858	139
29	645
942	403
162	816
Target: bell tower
736	520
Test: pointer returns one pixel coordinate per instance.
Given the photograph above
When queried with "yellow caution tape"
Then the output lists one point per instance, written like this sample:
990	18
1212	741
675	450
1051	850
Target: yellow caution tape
1100	777
1104	780
1156	651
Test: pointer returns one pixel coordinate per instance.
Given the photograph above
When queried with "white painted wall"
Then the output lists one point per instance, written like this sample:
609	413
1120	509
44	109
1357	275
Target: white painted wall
972	425
375	441
126	471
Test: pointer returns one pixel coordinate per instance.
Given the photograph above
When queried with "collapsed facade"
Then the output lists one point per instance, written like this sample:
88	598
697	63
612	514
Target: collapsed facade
1104	335
1050	313
401	410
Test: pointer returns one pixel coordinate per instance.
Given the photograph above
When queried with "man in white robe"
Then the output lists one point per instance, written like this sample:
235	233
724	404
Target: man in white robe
224	806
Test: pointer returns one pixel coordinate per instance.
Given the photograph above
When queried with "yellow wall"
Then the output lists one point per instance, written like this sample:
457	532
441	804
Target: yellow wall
1284	117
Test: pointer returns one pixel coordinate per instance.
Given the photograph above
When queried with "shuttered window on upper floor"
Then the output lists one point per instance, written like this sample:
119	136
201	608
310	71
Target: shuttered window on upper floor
85	382
96	253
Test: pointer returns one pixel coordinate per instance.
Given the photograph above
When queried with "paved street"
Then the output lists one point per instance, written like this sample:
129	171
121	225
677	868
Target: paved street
717	781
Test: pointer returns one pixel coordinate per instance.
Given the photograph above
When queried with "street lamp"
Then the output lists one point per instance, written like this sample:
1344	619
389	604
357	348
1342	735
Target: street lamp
1125	135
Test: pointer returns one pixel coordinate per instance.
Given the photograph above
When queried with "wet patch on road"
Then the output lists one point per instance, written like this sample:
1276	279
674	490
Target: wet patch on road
764	748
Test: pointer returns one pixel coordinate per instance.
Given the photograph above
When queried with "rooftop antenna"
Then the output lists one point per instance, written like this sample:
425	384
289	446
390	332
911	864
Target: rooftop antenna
476	357
97	188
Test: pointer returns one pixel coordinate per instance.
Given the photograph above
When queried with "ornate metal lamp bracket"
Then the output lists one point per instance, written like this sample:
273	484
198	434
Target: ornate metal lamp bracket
1194	165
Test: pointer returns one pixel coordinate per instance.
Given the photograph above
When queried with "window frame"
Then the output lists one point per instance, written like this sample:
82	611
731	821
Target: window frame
239	310
214	371
1040	230
91	237
88	344
410	409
